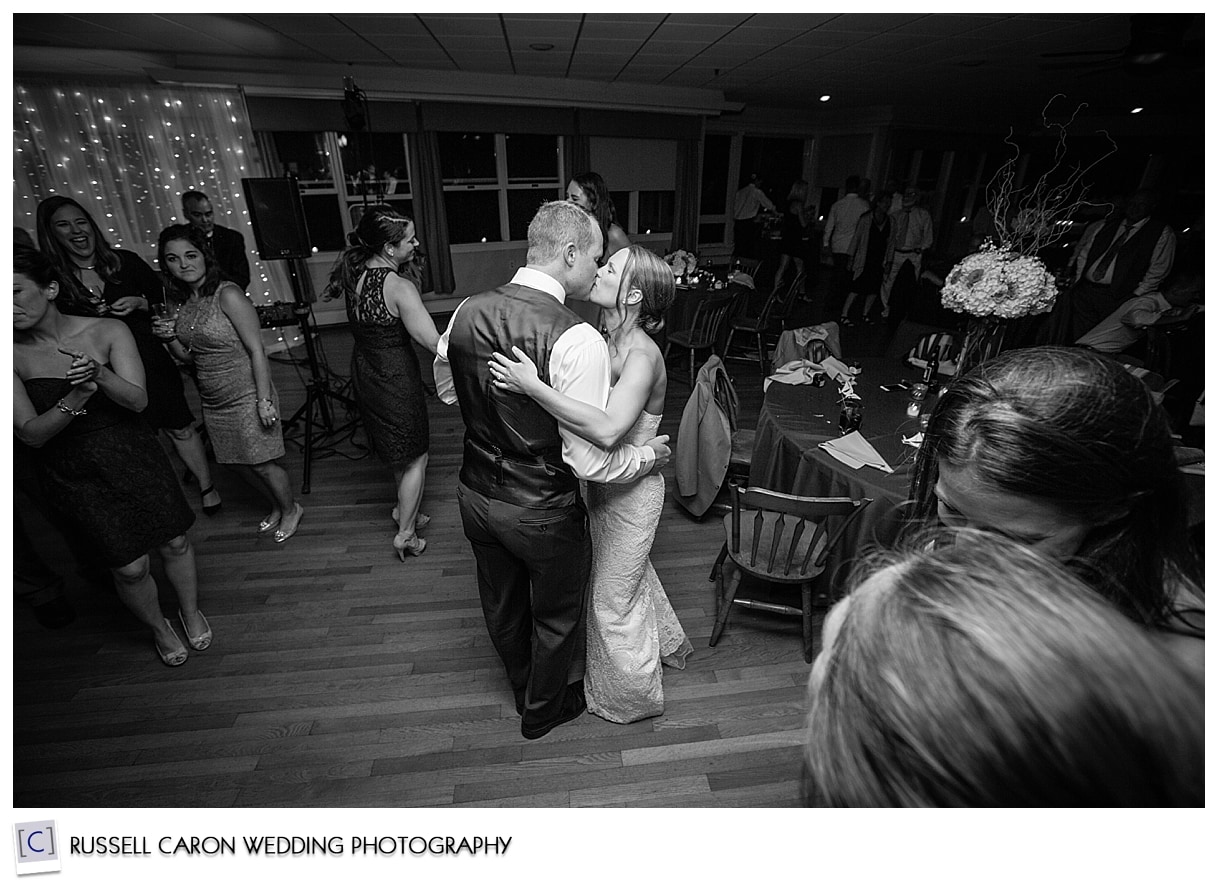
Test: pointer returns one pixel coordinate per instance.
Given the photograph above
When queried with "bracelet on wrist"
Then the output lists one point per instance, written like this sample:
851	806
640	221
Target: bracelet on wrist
64	407
265	401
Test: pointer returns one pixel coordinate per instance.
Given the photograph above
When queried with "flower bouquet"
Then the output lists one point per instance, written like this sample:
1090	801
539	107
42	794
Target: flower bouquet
1005	280
682	262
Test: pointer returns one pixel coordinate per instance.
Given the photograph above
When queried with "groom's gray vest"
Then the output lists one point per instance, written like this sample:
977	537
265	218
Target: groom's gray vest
513	451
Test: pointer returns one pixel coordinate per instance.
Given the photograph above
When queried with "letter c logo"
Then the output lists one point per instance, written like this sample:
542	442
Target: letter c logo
29	841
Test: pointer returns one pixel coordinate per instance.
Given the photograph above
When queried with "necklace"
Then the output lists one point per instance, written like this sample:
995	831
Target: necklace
198	304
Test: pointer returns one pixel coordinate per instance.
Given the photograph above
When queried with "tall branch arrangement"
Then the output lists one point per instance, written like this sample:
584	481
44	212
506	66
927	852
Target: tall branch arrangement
1029	219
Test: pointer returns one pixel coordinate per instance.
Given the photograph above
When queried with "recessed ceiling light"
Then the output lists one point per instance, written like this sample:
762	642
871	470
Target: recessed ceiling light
1136	110
541	47
824	97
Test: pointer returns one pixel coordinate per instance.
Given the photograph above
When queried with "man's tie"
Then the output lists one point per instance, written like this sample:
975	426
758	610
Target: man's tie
1100	270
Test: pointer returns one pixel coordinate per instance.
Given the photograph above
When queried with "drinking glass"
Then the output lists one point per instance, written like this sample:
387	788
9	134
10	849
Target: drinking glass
851	416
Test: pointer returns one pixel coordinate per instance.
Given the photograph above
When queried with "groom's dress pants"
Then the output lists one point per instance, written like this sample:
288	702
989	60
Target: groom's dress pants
533	568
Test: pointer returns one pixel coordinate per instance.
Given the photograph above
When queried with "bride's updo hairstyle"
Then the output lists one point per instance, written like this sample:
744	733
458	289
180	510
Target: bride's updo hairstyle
1075	430
654	278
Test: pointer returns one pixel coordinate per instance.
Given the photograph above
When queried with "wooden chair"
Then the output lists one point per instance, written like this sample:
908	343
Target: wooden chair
703	330
771	318
786	542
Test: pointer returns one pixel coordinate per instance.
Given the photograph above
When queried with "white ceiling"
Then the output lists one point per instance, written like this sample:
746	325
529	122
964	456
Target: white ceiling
937	61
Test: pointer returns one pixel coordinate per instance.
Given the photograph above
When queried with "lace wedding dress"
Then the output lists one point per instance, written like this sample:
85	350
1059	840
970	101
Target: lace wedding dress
631	625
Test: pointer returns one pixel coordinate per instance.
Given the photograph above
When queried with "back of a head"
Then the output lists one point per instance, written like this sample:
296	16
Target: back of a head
553	226
799	192
653	277
852	184
974	672
1074	429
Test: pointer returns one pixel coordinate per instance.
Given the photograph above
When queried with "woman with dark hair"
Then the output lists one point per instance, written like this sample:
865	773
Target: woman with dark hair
589	191
79	390
632	628
217	331
1067	452
976	672
386	313
107	281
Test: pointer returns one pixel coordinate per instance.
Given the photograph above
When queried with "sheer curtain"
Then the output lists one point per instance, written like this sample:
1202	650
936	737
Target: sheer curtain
127	153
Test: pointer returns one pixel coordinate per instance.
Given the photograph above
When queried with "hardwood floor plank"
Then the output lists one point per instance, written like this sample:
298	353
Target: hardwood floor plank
341	676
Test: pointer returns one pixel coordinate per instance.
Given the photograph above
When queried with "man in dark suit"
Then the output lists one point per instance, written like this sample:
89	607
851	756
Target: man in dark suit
227	245
519	484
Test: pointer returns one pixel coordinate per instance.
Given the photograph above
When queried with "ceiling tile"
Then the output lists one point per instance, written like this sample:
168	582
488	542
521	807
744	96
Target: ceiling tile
468	25
385	25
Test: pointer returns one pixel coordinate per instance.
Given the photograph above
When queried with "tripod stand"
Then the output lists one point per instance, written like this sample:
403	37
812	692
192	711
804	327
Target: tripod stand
318	393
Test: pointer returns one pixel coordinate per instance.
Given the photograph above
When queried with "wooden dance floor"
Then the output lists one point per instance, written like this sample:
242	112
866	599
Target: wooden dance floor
340	676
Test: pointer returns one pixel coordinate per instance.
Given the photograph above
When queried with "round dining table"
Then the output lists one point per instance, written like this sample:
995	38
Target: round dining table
793	421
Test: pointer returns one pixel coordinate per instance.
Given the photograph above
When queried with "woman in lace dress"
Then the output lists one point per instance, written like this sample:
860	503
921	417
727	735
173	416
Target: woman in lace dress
632	628
385	313
217	330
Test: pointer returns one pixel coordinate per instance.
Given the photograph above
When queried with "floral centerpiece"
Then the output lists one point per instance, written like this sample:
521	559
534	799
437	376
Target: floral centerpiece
682	262
1006	279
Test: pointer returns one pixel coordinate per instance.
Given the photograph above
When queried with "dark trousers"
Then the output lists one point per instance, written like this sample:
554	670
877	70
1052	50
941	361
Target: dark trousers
1090	304
33	581
840	282
533	569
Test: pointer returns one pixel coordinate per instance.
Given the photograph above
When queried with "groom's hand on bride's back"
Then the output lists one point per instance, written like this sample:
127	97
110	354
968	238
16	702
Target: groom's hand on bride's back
663	452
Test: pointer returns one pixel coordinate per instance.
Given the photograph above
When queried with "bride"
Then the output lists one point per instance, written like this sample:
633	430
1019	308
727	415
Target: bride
631	625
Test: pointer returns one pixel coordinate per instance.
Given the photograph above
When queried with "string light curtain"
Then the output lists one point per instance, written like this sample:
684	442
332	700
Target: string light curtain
127	153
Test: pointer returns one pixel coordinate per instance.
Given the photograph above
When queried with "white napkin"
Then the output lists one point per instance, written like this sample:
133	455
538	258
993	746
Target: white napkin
912	441
802	372
740	277
855	451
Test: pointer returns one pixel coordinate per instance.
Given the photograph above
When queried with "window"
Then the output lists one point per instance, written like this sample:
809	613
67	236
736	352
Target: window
493	183
372	166
655	211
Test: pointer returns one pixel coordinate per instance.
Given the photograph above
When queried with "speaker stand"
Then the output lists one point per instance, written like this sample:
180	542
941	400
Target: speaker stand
315	413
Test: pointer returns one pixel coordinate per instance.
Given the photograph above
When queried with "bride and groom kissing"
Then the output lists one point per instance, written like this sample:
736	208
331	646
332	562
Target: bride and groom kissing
571	601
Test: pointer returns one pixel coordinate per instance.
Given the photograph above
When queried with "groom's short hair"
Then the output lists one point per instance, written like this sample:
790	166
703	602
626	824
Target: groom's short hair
555	224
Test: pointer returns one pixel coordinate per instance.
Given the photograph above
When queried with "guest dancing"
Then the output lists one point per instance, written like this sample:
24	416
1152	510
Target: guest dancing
386	313
217	331
791	247
589	191
79	390
632	628
1067	452
976	672
119	284
868	249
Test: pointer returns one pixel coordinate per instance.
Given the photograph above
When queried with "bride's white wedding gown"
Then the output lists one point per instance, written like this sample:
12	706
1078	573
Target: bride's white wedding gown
631	625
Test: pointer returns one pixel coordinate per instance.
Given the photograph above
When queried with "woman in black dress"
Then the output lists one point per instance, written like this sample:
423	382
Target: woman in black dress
385	313
118	284
79	390
589	191
867	251
791	247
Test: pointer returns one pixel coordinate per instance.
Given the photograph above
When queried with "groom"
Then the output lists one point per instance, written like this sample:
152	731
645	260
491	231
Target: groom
519	482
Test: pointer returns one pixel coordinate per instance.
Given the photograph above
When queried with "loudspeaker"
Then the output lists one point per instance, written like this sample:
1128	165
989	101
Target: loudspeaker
278	218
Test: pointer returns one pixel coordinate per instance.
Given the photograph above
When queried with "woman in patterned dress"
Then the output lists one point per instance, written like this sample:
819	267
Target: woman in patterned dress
217	330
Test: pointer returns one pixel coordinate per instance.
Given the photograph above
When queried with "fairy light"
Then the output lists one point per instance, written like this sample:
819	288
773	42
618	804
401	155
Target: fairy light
128	156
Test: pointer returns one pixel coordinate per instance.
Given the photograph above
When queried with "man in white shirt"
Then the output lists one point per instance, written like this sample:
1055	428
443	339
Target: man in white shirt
840	225
913	234
519	483
746	228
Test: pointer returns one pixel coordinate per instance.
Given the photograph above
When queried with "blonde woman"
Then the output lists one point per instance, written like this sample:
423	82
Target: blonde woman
632	628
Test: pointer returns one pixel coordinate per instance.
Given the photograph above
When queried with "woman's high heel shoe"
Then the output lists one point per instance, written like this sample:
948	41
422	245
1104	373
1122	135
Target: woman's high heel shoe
209	510
173	657
420	520
404	544
201	642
